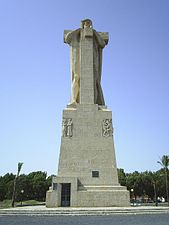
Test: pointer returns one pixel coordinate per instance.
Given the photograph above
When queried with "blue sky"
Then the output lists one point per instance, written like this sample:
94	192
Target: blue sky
35	79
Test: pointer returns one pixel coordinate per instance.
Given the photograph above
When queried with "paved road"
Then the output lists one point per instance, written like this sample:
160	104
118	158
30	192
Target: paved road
151	219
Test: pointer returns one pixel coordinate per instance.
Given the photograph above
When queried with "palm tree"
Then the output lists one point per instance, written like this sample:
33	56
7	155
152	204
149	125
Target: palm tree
154	183
14	187
164	162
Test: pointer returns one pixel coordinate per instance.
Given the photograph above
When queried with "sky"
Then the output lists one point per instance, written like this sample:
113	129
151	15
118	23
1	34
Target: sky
35	79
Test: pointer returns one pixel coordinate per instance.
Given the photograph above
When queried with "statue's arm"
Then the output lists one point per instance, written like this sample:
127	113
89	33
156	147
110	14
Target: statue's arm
99	40
68	35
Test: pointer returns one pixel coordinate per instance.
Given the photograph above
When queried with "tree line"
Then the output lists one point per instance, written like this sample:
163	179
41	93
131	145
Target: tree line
149	185
35	185
145	185
28	187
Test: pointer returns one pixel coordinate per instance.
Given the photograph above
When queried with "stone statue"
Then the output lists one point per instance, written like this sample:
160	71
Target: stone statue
73	39
76	39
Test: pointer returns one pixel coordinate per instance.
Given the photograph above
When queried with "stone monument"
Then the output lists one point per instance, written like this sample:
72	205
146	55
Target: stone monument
87	171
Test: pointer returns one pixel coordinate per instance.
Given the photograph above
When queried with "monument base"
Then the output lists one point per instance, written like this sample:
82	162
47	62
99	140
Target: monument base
87	196
87	172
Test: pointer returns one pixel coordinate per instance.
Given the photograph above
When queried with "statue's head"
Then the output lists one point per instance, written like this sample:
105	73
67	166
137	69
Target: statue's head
86	23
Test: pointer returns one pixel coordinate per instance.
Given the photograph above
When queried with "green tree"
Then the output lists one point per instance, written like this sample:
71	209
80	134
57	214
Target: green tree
121	176
139	184
5	186
164	162
23	184
152	178
2	189
139	187
131	180
15	180
160	184
38	185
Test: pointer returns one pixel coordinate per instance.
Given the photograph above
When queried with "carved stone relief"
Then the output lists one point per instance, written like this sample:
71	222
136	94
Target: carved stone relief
67	127
107	129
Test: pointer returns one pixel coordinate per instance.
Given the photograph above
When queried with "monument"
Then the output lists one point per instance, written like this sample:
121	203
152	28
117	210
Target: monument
87	171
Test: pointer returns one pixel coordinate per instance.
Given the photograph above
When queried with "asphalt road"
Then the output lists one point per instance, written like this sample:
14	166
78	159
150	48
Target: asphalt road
151	219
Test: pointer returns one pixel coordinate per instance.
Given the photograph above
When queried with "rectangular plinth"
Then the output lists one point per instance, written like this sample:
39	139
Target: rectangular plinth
91	196
87	169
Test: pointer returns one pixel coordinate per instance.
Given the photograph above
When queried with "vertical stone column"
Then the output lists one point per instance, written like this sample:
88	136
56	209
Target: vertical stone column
86	67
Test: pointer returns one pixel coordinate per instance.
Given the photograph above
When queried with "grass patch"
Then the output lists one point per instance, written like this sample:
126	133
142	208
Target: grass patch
7	203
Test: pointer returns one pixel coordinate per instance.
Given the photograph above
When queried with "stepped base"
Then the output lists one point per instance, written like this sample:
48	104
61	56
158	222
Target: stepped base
86	196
